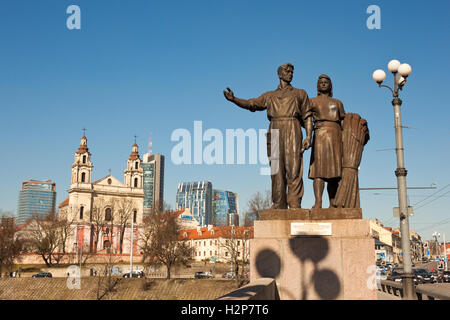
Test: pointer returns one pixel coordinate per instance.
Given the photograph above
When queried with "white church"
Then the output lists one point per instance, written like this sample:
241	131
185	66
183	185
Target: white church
100	208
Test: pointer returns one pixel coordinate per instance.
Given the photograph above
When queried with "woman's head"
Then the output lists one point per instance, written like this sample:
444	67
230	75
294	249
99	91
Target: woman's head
324	85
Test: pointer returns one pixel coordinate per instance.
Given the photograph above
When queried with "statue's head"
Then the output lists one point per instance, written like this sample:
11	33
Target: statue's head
286	72
324	85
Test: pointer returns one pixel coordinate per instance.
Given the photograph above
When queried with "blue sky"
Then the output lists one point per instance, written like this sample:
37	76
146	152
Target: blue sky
141	67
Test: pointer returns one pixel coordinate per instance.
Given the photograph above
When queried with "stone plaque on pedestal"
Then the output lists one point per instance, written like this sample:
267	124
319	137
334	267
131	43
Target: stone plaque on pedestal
310	229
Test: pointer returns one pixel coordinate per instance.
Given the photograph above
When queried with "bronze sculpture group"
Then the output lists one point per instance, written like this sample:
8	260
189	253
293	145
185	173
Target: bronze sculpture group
337	142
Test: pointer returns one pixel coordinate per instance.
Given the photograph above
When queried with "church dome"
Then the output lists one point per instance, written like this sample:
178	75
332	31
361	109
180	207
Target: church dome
83	145
134	152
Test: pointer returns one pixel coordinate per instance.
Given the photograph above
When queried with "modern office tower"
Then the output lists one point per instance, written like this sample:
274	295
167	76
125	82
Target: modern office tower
225	208
153	165
197	196
36	197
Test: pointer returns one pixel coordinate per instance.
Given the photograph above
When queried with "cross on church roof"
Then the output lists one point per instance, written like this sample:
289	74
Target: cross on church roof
84	131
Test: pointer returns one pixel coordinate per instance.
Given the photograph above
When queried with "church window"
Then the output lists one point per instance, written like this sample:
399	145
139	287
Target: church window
108	215
135	182
81	212
84	159
136	165
134	216
83	177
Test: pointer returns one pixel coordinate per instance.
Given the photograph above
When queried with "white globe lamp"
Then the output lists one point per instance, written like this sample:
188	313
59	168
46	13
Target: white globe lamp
404	69
379	76
393	66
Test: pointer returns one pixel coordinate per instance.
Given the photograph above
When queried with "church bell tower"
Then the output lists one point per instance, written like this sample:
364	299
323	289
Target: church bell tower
133	174
82	165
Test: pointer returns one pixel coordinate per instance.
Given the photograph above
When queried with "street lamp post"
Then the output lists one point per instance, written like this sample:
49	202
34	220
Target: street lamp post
131	247
445	254
436	235
400	73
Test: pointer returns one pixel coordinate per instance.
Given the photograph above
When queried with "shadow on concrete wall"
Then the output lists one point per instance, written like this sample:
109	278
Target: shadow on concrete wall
268	270
312	249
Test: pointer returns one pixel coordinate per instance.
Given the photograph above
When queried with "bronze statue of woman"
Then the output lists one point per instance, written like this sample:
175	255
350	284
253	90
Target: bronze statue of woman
326	155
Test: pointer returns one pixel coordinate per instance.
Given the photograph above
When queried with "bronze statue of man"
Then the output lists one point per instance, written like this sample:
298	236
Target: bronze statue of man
326	155
288	110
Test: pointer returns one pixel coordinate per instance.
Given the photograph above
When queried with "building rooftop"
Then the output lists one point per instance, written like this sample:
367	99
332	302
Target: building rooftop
215	232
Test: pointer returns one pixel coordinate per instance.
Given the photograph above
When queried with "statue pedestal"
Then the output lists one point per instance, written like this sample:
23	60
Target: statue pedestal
313	258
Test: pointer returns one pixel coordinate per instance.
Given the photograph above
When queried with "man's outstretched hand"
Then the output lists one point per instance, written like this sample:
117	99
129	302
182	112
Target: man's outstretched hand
229	95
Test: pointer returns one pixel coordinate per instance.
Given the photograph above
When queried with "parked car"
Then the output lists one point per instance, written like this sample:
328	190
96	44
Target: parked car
443	276
423	276
436	275
135	274
229	275
203	275
42	275
396	275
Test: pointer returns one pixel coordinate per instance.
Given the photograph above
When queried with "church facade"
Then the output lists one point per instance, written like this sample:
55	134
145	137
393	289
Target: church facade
102	212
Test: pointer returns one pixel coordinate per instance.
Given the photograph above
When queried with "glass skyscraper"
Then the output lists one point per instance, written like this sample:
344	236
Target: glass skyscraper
153	166
197	196
149	184
225	208
36	197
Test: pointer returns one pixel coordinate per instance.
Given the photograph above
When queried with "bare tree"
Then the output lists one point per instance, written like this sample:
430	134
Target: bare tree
11	245
48	236
65	228
124	213
166	207
83	254
256	204
235	242
107	283
160	243
98	220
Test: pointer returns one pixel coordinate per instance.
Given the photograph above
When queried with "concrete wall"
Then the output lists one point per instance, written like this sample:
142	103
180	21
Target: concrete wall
338	266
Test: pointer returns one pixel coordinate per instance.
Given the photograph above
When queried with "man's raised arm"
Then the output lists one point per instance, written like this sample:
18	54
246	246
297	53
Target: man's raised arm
256	104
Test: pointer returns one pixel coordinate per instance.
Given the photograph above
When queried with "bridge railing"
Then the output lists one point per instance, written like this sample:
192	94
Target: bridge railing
422	293
266	289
